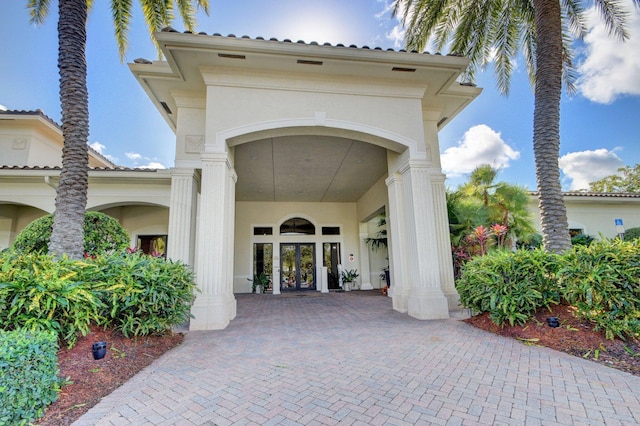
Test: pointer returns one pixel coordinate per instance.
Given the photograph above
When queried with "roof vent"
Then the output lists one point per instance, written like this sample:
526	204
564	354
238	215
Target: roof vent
166	107
308	62
401	69
231	56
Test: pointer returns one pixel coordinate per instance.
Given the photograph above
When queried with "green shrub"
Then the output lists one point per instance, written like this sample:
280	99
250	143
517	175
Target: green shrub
144	294
28	375
511	286
631	234
102	234
38	293
582	240
603	281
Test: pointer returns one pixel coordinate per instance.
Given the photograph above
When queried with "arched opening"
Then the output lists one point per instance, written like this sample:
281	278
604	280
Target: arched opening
297	226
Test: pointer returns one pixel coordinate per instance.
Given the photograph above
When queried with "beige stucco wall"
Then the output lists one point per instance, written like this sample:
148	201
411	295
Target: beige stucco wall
250	214
596	215
141	220
13	219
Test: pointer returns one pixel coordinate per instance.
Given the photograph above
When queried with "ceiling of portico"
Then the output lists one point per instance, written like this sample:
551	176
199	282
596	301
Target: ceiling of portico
307	168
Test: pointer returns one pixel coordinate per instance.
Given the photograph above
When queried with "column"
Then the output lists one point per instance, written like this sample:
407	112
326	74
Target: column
215	305
397	247
182	215
443	237
365	265
426	300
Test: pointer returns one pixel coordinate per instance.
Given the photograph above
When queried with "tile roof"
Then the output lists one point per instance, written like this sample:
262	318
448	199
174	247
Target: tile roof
37	112
587	194
98	169
312	43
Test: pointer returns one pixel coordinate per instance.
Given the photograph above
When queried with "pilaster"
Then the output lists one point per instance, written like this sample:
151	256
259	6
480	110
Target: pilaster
182	215
365	264
396	226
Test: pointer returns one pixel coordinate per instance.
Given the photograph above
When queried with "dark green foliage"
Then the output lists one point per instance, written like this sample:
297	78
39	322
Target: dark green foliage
532	242
28	375
603	281
510	286
582	240
631	234
39	293
102	234
144	294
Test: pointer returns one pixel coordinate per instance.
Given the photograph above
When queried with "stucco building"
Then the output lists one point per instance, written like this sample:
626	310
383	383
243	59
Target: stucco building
286	155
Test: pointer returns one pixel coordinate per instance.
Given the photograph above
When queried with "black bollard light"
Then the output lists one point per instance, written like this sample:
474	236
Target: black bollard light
99	350
553	322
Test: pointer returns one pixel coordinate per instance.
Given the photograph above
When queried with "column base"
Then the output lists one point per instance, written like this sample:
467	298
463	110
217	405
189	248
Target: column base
428	306
453	299
399	301
212	312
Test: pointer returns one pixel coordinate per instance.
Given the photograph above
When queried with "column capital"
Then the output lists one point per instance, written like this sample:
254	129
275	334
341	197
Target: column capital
393	178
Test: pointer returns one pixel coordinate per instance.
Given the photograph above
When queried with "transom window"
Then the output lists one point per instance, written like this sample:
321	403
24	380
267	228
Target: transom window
297	226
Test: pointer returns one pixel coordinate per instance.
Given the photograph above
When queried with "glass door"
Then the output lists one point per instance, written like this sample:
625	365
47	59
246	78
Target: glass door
297	266
331	259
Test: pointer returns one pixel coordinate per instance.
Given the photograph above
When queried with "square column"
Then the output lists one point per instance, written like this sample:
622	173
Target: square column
365	264
426	300
215	305
396	228
182	215
443	237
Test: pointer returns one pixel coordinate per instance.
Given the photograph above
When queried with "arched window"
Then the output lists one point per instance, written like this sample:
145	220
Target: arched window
297	226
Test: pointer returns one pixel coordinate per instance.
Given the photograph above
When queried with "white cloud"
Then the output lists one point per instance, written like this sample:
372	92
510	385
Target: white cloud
479	145
3	108
583	167
153	165
396	35
611	68
133	155
97	147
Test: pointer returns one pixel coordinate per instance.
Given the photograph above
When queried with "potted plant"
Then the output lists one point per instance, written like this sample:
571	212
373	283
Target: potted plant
260	283
348	277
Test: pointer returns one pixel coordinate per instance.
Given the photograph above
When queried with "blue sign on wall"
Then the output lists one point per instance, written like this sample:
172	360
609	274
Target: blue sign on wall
618	222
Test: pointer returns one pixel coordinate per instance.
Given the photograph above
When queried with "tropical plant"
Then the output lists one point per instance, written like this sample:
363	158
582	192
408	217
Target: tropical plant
631	234
71	194
102	234
380	240
349	275
626	180
602	281
497	31
510	286
582	240
39	293
261	280
28	375
142	294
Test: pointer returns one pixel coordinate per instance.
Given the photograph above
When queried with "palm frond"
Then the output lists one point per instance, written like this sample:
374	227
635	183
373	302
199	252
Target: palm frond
121	14
614	16
38	11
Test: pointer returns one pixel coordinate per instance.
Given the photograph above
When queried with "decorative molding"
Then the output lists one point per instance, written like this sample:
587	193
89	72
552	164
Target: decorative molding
19	143
193	144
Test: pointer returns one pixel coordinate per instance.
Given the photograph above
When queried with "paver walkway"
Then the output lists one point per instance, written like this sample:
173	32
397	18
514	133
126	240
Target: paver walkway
348	358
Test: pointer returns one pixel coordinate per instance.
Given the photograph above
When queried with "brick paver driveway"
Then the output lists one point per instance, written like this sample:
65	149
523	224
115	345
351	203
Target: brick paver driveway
348	358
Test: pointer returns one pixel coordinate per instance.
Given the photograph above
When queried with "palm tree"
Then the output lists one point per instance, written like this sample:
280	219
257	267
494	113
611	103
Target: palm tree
71	195
486	30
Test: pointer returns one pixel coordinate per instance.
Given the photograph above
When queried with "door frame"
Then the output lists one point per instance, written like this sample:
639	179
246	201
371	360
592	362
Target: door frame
297	287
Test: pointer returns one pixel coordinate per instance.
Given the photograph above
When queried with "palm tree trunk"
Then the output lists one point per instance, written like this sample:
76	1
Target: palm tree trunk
546	125
71	197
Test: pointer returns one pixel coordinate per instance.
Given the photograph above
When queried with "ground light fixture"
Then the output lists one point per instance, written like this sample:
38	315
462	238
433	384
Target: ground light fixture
554	322
99	350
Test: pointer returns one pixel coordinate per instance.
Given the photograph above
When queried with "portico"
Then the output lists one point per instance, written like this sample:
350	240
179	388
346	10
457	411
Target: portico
285	150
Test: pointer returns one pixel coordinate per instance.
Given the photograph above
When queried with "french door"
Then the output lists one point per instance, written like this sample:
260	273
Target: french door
297	266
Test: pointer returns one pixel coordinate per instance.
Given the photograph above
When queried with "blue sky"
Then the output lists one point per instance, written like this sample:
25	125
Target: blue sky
600	126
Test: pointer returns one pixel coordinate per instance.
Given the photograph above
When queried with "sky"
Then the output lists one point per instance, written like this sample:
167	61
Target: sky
600	125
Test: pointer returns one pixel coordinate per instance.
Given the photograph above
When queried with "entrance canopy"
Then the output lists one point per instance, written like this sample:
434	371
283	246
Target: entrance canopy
270	130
